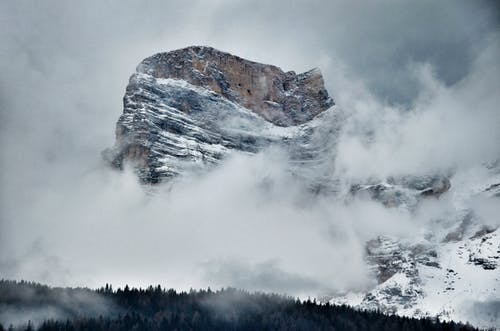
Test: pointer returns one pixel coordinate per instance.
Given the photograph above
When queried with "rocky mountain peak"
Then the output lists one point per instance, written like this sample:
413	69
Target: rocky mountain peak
283	98
186	109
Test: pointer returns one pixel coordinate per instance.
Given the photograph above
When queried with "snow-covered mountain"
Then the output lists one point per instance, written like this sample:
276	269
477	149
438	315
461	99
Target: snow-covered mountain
452	274
190	107
185	111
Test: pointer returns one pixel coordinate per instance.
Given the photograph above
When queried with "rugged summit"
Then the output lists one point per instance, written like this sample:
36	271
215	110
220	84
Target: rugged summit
187	108
282	98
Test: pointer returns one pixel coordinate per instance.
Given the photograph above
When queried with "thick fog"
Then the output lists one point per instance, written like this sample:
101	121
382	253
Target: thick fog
418	83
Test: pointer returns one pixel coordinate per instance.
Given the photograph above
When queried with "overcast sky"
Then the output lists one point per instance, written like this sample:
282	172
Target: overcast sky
421	77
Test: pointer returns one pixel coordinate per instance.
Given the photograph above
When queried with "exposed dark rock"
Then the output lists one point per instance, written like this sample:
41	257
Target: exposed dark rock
437	187
483	231
486	252
459	231
403	190
494	190
487	264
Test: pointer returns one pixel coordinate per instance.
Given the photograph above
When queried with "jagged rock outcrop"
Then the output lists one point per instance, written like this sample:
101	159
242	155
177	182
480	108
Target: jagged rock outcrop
403	191
494	190
433	276
188	108
282	98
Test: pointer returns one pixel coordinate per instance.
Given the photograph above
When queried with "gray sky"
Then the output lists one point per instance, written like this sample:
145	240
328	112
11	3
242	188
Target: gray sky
421	78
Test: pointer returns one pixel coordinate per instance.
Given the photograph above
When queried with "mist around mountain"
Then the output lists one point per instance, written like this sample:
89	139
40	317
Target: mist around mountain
399	213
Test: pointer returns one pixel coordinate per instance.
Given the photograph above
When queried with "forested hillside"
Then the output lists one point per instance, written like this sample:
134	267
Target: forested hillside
45	309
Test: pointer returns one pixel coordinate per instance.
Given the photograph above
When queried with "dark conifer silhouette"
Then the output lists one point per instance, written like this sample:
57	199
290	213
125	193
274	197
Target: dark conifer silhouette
155	309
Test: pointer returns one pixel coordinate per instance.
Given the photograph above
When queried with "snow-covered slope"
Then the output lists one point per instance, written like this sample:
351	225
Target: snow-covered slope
451	269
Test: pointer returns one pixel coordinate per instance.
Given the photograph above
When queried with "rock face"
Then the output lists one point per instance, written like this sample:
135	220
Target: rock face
186	109
404	191
282	98
426	278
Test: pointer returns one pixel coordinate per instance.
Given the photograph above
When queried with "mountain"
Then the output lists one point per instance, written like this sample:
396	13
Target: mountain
188	108
185	111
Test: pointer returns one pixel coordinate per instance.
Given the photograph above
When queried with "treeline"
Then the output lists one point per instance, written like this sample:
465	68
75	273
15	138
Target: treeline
156	308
